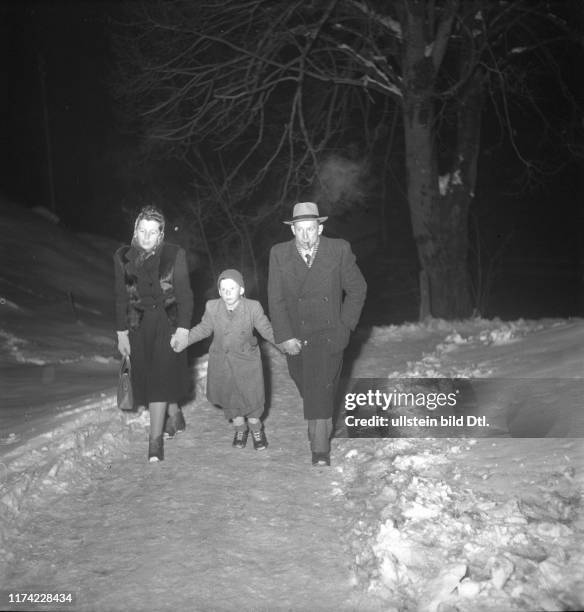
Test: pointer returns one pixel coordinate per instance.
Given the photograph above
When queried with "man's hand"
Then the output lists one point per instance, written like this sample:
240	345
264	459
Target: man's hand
124	343
293	346
180	339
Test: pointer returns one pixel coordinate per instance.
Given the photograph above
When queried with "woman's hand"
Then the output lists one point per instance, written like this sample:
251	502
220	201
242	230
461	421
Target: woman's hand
124	343
180	339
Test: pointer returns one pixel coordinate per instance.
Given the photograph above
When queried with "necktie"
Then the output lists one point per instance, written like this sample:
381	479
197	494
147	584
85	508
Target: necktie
307	256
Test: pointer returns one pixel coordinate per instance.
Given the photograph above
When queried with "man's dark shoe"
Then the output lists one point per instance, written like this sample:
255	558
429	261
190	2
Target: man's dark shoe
240	439
259	439
155	450
180	425
321	459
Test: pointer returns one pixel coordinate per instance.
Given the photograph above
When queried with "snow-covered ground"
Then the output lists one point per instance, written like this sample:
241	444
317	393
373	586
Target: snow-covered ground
483	518
479	522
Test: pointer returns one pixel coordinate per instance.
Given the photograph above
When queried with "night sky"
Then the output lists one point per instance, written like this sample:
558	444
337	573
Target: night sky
57	114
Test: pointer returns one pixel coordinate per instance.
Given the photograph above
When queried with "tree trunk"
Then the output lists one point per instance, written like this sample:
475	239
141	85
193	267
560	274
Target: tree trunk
439	223
463	174
439	211
440	216
254	263
196	208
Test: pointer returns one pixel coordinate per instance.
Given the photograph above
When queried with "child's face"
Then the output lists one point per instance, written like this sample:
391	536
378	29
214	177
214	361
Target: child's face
230	291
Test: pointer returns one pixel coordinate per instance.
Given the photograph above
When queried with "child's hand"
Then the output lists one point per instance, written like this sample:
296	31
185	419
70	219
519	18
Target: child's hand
180	340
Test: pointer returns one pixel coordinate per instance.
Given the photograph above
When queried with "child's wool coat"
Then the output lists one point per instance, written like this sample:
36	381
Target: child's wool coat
235	379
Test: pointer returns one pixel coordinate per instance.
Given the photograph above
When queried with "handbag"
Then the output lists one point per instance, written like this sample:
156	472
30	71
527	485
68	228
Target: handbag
125	395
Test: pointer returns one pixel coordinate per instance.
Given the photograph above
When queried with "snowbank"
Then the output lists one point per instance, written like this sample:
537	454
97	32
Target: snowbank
467	524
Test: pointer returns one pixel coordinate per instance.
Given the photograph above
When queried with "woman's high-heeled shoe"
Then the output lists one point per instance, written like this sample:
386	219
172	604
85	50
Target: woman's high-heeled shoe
174	424
155	449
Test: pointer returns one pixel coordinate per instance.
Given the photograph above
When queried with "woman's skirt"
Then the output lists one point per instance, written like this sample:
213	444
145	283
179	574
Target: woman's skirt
158	373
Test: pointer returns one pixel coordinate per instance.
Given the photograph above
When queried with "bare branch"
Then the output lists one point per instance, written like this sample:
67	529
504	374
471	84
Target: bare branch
442	36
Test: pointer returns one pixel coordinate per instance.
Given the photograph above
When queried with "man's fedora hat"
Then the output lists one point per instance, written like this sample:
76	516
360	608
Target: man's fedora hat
303	211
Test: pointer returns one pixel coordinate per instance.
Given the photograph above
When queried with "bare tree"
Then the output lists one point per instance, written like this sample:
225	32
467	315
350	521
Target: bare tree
273	84
225	218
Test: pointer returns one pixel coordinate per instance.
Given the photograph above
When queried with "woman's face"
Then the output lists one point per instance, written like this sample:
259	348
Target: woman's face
148	234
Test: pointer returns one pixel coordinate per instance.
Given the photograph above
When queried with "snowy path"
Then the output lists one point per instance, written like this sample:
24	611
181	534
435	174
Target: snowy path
425	524
210	528
408	525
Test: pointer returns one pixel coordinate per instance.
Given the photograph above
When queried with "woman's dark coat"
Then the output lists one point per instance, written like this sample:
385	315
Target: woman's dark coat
153	298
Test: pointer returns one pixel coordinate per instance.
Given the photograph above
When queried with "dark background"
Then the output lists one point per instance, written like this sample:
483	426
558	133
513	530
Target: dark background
59	121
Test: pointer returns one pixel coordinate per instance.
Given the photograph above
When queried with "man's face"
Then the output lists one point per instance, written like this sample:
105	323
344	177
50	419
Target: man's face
306	232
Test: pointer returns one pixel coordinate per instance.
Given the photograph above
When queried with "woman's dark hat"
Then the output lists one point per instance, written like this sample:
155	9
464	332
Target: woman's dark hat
303	211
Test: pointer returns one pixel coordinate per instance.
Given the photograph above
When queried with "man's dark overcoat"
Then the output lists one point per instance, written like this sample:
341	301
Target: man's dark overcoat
320	306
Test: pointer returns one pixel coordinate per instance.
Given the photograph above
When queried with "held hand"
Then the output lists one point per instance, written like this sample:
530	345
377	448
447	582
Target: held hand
124	343
291	346
180	340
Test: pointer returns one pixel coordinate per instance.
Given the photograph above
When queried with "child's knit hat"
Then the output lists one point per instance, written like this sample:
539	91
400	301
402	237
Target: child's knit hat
232	274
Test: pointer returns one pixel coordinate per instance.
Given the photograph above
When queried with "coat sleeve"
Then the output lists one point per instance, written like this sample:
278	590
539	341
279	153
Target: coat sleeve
204	329
262	323
182	291
276	300
121	295
354	286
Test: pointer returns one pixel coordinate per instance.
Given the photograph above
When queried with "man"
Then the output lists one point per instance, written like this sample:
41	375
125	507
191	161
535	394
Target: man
315	293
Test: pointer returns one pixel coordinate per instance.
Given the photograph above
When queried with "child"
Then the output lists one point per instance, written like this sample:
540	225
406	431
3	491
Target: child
235	379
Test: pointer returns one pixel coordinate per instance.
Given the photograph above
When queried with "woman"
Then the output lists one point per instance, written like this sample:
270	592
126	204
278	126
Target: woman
154	306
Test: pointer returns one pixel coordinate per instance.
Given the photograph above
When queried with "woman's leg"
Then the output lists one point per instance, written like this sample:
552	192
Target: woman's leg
174	422
156	441
157	414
